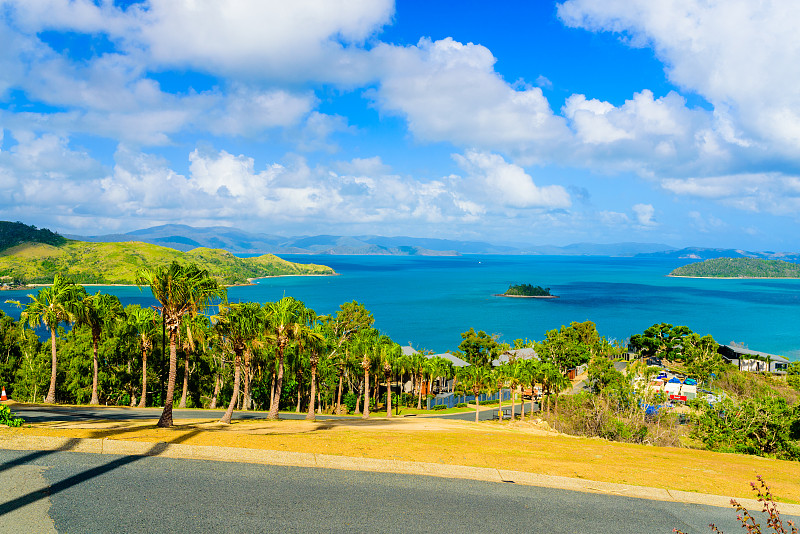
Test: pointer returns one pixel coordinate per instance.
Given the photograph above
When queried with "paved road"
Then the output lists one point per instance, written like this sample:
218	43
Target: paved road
105	493
42	414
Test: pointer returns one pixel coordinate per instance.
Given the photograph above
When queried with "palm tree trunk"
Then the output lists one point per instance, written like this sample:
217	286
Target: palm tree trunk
513	403
500	402
248	396
339	393
388	396
51	393
311	397
185	381
477	407
237	372
143	400
272	390
95	342
366	393
419	397
522	403
358	397
166	416
276	397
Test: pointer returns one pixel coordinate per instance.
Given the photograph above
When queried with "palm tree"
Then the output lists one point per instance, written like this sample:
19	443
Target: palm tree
144	320
51	306
365	344
240	325
390	360
518	374
474	378
553	381
498	378
181	290
95	311
196	331
314	339
284	321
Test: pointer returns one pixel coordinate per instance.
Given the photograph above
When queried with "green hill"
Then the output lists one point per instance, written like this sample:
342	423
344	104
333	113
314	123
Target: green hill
117	263
739	268
17	233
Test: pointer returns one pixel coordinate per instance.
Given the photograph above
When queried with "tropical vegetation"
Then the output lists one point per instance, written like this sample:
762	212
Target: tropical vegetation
194	348
527	290
739	268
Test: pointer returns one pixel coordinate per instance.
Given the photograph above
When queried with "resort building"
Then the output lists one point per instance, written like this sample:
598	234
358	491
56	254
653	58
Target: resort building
753	361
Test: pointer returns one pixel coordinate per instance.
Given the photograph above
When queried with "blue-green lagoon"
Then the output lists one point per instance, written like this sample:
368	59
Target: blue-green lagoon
429	301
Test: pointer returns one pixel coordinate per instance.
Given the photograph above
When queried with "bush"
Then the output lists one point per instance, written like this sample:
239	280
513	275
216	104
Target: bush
350	402
461	405
8	419
439	407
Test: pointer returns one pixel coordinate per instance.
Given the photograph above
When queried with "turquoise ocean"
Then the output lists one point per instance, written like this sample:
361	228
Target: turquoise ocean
429	301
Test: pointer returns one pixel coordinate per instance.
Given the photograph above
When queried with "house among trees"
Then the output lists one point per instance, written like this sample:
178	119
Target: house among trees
753	361
515	355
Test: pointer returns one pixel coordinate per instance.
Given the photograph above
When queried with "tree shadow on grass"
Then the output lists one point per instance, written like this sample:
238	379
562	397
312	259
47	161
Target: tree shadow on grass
74	480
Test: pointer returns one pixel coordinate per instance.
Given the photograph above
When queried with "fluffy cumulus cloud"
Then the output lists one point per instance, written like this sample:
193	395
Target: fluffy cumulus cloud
254	47
738	54
292	40
449	91
507	184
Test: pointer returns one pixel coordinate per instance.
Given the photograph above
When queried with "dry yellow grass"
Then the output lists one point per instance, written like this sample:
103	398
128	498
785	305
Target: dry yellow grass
517	446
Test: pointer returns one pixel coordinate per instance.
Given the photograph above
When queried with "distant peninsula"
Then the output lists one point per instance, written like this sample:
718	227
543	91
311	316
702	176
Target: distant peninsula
528	291
31	256
738	268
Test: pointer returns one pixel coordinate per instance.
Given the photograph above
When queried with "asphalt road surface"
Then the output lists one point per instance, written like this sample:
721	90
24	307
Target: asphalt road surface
76	492
43	414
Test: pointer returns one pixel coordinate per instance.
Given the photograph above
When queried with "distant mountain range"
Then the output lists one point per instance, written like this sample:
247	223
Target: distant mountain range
184	238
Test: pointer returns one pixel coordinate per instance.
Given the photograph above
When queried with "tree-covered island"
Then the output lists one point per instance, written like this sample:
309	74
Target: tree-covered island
738	268
528	291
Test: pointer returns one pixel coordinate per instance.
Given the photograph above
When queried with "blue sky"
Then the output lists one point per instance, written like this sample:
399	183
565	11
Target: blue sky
528	122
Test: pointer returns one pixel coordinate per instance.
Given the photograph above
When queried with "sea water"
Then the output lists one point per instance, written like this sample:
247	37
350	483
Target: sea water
428	301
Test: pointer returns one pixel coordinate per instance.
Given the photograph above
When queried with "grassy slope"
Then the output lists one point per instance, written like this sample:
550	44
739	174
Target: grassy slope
739	268
117	263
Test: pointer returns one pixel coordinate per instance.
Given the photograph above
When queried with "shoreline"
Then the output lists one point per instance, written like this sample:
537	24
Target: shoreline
527	296
735	277
250	282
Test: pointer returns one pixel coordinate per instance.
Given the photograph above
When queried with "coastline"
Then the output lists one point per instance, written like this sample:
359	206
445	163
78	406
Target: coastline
736	277
250	282
527	296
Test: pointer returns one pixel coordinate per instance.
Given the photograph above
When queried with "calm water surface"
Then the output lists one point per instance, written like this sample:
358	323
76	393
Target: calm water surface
429	301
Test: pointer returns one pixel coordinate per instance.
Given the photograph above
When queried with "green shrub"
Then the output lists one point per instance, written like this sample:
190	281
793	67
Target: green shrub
350	401
439	407
461	405
8	419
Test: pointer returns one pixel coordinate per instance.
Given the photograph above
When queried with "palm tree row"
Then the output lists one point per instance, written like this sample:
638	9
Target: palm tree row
234	347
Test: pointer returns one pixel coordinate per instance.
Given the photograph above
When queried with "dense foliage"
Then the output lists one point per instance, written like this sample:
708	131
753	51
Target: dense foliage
117	263
739	268
527	290
16	233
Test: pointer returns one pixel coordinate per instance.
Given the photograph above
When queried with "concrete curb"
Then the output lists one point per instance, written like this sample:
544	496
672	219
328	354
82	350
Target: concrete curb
327	461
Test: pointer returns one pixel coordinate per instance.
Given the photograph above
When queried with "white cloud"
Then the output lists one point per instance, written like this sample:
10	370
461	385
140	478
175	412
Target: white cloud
449	91
740	55
644	214
509	184
774	193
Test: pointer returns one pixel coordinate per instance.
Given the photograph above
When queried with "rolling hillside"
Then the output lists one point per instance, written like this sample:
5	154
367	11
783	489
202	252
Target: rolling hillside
117	263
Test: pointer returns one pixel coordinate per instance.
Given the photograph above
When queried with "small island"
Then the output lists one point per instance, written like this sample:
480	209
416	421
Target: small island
527	291
738	268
